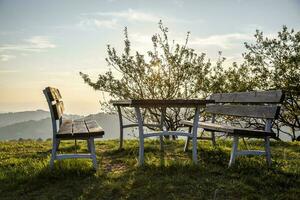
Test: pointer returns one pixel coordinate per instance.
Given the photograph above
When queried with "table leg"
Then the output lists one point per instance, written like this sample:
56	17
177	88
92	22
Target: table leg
187	141
141	135
121	127
195	131
163	128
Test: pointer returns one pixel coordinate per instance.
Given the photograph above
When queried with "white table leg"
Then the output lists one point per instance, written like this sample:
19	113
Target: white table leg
121	126
187	140
195	131
234	150
163	128
141	135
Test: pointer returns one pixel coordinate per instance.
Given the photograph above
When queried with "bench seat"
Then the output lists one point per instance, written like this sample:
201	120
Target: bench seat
79	129
231	130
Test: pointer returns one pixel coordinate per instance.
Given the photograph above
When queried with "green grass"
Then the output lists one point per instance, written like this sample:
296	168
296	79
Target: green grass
25	173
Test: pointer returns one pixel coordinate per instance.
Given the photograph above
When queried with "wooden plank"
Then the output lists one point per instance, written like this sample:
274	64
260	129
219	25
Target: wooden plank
93	126
216	127
53	93
272	96
94	129
186	122
256	111
121	102
231	130
66	127
65	130
58	109
79	127
162	102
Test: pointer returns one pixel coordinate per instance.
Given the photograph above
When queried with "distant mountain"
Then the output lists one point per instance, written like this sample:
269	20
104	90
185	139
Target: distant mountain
32	129
110	123
16	117
37	124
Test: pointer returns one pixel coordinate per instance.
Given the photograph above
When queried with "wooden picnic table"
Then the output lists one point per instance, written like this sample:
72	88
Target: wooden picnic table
137	104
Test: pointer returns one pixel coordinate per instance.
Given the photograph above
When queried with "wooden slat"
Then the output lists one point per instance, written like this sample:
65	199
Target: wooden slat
79	127
256	111
272	96
66	127
245	132
94	129
65	130
216	127
58	109
53	93
162	102
231	130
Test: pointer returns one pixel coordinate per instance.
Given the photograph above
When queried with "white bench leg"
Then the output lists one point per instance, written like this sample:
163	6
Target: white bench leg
187	141
234	150
162	127
268	151
121	127
213	137
88	146
141	136
55	144
195	131
93	152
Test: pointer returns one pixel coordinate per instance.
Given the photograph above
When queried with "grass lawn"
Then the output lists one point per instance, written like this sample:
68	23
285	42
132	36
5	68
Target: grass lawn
25	173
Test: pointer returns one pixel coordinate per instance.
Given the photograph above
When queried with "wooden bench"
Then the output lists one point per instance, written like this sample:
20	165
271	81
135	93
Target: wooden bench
70	129
264	105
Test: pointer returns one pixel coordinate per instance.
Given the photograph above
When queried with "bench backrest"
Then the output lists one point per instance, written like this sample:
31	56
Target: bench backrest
256	104
56	106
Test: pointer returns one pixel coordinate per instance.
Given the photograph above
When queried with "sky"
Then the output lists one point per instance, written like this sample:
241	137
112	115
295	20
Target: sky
47	43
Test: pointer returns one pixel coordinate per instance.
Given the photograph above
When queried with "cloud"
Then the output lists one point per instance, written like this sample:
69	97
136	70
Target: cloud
131	15
141	38
40	42
112	19
98	23
8	71
225	41
33	44
5	57
178	3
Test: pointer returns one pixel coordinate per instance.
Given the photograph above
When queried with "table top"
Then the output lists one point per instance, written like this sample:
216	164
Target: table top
162	102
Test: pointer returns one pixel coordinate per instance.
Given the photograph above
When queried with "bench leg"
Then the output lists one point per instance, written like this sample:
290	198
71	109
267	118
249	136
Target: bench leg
161	142
213	138
187	141
121	127
55	144
141	135
93	152
162	127
268	151
58	143
88	146
195	131
234	150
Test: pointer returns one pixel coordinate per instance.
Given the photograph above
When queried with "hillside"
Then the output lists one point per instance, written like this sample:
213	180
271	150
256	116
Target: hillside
27	130
37	124
25	173
17	117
